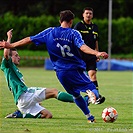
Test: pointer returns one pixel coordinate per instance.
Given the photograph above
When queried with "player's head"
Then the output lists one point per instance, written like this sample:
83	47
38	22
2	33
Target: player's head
87	13
15	56
88	8
66	16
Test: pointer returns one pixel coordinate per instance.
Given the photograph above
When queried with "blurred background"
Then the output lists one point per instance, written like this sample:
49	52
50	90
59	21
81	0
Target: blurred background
35	8
28	17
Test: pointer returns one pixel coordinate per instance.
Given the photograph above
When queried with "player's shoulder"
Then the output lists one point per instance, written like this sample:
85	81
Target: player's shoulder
74	31
6	63
94	24
47	30
50	28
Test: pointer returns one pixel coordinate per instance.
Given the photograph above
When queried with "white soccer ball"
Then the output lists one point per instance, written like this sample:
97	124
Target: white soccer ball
109	114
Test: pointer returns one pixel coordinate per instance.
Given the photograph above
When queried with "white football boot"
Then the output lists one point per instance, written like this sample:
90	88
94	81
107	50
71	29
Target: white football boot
92	97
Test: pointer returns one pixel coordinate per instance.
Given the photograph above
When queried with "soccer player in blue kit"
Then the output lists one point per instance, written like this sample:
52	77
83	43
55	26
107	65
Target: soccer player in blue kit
63	44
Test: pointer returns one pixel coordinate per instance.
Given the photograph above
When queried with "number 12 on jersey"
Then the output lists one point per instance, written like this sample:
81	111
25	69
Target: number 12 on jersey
65	50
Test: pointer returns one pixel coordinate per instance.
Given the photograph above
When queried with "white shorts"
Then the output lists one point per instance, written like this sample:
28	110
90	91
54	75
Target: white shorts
29	101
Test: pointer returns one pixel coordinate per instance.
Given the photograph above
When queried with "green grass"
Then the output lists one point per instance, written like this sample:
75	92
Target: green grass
67	118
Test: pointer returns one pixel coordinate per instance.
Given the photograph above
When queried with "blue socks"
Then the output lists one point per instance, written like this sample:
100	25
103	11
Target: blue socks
82	104
95	91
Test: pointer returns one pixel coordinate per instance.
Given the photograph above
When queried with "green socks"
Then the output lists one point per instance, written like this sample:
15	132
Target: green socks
20	115
65	97
31	116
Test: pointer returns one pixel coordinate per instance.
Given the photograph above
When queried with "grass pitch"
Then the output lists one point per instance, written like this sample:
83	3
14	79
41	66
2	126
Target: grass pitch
67	118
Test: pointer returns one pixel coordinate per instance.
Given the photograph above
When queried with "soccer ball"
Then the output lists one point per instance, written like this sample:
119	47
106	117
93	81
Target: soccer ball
109	114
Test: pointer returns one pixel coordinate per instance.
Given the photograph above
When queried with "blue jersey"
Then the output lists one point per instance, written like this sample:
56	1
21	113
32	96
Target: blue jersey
63	47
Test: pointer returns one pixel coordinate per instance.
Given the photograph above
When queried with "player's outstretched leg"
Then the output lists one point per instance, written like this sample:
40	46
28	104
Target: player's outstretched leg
80	102
62	96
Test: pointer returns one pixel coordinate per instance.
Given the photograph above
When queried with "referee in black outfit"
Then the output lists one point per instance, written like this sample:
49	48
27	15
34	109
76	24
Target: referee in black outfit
89	32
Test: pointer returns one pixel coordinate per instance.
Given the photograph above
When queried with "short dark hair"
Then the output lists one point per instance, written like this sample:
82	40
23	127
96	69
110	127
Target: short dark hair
66	15
87	8
13	49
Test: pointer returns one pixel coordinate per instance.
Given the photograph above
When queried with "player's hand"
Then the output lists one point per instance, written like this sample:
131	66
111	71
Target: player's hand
9	34
102	54
4	44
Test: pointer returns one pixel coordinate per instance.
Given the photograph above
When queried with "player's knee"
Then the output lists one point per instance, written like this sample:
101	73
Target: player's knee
49	115
46	114
51	93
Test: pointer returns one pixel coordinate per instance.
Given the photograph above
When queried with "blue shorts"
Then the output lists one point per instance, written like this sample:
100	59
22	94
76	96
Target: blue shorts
75	81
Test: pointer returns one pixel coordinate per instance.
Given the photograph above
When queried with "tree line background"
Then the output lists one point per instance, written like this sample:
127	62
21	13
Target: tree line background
34	8
28	17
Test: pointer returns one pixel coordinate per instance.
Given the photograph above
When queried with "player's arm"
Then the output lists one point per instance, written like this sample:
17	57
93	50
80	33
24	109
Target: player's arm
7	51
88	50
22	42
